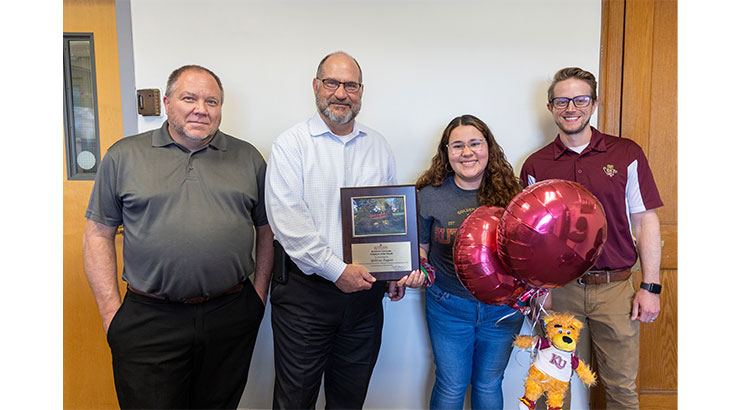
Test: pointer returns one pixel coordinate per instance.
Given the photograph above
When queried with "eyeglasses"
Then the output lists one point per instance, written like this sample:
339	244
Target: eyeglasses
349	86
475	145
580	101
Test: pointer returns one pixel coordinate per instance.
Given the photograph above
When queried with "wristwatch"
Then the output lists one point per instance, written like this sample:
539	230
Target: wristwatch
651	287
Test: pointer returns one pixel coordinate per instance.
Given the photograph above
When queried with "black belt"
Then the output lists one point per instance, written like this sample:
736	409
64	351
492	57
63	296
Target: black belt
598	277
194	300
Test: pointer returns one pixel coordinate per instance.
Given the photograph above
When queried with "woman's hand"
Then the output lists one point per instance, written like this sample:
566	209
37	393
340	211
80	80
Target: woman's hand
413	280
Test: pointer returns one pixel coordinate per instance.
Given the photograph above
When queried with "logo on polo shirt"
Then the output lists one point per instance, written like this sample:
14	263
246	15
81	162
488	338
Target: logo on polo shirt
609	170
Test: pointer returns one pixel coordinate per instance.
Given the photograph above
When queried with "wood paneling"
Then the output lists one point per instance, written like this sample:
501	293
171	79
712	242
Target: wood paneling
659	340
88	377
637	72
663	149
610	63
659	401
638	83
669	254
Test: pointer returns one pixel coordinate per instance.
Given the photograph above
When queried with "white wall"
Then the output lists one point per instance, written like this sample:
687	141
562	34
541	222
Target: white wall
424	62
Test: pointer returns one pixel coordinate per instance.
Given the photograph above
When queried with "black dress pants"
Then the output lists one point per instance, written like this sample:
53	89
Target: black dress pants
320	331
173	355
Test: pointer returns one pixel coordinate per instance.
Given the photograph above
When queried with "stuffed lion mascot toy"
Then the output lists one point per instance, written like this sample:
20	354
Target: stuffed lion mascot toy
555	362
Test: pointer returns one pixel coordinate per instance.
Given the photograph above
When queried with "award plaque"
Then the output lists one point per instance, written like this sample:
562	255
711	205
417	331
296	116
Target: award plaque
379	229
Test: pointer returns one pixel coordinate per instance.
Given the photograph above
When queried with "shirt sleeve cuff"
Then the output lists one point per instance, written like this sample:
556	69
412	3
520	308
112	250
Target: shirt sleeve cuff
334	269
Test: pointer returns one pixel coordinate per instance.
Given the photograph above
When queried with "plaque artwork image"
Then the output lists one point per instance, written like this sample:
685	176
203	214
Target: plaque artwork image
378	215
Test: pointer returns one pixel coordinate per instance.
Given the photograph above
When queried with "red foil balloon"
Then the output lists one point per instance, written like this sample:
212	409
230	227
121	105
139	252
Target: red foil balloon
551	233
477	262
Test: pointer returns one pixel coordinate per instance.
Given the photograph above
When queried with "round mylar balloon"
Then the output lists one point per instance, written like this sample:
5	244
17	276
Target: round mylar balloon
551	233
477	262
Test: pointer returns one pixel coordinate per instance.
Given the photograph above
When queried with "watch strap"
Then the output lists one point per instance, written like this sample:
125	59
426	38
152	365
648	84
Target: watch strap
651	287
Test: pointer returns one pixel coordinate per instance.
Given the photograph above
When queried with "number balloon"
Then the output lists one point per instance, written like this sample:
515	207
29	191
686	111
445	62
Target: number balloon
551	233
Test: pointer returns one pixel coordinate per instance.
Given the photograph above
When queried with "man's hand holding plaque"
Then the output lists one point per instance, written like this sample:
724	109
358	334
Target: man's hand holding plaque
354	278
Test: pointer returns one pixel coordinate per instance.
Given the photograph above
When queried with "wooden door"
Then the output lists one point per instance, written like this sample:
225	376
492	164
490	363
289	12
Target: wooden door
88	376
638	89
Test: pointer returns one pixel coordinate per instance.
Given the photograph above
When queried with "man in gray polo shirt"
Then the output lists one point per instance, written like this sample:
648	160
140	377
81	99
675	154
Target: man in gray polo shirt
190	199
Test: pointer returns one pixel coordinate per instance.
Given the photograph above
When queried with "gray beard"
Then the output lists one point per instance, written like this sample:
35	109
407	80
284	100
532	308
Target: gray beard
334	118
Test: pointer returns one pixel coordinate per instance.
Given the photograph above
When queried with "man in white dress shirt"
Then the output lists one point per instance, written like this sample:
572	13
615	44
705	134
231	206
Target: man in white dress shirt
327	315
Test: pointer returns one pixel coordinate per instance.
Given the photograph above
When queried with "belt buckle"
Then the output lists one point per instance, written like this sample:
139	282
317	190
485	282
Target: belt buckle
580	278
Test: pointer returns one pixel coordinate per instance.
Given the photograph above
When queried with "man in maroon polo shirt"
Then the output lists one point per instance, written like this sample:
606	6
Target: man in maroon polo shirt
616	171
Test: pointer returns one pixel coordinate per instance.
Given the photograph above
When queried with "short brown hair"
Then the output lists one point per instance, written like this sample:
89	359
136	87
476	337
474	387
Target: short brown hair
572	72
175	75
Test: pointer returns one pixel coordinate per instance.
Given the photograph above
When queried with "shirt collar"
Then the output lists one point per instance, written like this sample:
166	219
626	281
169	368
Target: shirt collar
317	127
597	143
161	138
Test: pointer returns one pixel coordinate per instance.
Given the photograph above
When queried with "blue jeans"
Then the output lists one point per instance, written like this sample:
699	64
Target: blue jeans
469	348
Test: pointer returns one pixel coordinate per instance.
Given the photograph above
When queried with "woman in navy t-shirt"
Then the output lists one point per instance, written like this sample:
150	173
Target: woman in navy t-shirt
469	346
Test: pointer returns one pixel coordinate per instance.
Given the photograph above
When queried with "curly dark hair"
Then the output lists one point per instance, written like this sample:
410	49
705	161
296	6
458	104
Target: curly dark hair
499	185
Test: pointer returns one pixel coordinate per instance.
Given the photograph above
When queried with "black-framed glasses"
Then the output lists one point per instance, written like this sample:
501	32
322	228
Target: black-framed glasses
475	145
332	84
580	101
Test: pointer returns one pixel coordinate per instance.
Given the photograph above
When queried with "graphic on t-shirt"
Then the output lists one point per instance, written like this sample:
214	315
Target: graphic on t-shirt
444	235
558	361
555	362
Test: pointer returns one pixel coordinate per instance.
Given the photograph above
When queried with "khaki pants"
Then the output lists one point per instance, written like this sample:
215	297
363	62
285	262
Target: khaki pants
605	312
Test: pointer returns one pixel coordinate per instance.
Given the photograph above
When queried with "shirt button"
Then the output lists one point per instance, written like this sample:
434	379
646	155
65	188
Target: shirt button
580	171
